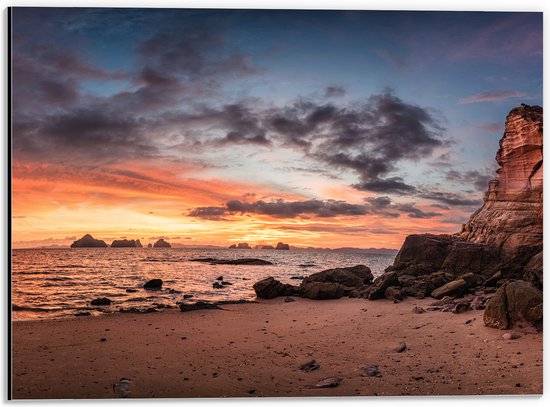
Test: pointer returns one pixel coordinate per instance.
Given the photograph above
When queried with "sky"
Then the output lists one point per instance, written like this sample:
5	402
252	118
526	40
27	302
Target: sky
316	128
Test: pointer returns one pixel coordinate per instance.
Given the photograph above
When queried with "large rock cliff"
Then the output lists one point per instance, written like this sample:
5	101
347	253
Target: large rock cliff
499	246
511	216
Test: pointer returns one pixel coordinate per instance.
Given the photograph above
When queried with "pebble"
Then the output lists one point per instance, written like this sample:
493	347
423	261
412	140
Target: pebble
329	382
511	335
309	366
419	310
401	347
289	299
372	371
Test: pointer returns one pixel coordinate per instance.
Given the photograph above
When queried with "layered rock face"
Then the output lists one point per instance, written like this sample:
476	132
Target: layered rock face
511	216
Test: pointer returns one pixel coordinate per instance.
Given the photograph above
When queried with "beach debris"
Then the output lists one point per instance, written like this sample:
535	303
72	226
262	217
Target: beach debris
153	284
226	283
468	322
289	299
401	347
172	291
220	278
197	306
217	285
511	335
187	296
461	307
103	339
101	301
419	310
329	382
372	371
83	314
122	387
131	290
309	366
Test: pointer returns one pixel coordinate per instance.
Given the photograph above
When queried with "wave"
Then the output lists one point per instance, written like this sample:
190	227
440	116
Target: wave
16	307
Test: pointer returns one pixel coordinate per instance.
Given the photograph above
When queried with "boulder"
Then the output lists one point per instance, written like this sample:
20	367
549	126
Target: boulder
533	271
473	280
378	287
394	293
161	243
282	246
454	288
88	241
153	284
270	288
317	290
355	276
422	254
517	304
101	301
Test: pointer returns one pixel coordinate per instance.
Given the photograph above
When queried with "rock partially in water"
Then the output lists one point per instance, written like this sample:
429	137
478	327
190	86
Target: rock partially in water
153	284
101	301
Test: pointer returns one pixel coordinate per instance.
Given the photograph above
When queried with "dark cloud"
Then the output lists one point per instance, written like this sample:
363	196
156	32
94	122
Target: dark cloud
450	198
369	139
384	206
334	91
208	212
440	206
393	185
284	209
473	177
280	208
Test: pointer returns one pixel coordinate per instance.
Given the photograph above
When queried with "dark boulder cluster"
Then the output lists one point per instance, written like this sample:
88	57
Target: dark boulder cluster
324	285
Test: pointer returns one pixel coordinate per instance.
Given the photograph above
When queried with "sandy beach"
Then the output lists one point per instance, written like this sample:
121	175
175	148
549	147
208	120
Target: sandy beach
251	350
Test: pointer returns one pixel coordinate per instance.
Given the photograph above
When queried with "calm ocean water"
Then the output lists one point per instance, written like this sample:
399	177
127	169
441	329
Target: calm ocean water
52	283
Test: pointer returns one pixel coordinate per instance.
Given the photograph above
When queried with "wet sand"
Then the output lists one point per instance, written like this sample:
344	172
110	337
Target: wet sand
251	350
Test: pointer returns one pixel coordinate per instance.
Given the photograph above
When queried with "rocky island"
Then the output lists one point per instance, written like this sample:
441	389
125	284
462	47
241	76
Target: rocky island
88	241
161	243
126	243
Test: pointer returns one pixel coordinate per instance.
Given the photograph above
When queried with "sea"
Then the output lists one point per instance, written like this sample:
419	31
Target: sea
60	283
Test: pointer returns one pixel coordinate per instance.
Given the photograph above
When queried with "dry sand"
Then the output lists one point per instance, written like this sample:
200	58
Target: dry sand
250	350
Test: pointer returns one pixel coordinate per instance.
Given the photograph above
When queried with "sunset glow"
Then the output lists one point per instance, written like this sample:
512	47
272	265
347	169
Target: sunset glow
213	128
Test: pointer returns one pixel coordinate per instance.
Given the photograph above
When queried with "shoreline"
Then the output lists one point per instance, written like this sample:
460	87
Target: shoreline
255	349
